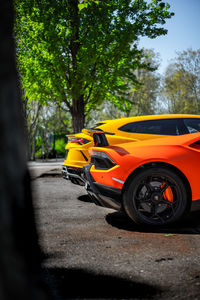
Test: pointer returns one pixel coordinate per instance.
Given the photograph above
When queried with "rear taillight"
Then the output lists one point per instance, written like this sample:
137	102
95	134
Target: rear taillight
196	145
100	139
79	141
101	160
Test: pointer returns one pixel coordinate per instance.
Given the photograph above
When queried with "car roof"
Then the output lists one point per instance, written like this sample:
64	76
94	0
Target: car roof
122	121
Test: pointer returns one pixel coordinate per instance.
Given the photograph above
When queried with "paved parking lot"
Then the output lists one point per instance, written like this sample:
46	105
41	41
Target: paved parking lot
94	252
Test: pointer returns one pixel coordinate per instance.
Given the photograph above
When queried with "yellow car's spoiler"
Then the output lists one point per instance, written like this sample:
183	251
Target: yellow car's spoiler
89	132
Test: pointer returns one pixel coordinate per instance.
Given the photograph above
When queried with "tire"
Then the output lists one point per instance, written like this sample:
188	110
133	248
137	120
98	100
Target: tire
155	196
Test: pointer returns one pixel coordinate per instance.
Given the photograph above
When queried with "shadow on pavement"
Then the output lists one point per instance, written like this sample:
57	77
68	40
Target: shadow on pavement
189	225
82	284
85	198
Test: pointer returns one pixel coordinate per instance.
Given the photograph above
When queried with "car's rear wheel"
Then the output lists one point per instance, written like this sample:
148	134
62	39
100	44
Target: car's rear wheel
156	196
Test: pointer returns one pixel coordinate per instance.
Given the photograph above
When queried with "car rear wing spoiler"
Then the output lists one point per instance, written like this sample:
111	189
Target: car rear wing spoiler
99	137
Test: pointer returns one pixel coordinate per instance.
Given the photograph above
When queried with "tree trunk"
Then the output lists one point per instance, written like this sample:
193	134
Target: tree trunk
20	258
78	114
78	106
33	148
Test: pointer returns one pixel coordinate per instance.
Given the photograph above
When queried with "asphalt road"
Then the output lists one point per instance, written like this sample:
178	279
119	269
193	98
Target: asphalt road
96	253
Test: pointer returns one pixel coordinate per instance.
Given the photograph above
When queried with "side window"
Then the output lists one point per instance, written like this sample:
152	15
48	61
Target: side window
161	127
193	125
130	127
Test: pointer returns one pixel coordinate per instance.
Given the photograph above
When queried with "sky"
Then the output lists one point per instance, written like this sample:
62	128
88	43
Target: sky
183	32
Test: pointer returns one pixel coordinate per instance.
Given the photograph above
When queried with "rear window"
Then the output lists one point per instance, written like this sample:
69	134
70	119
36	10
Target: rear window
161	127
193	125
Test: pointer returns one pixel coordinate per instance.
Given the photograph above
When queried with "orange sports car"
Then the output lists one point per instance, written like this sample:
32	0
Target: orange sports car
122	131
155	182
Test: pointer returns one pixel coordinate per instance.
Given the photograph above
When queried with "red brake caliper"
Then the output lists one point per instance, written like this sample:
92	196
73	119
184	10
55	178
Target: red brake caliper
168	194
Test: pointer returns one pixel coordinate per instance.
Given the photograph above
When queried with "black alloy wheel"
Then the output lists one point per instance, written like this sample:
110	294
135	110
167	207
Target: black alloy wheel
156	196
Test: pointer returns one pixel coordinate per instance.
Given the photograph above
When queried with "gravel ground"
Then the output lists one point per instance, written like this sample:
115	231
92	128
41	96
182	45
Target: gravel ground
96	253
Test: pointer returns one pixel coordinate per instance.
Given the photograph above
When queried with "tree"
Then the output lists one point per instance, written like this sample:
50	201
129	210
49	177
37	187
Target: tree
79	53
104	111
20	255
182	83
141	99
144	97
31	113
45	127
51	135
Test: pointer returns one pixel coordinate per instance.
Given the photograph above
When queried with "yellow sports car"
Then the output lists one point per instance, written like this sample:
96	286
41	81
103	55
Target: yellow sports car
120	131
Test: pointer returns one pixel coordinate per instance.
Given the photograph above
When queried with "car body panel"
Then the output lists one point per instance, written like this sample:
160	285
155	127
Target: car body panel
78	155
174	151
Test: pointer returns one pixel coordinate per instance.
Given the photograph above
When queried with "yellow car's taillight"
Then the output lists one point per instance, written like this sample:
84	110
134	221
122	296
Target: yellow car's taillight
80	141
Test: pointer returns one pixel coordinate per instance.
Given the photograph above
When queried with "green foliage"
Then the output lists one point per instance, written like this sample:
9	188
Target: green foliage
40	151
39	145
141	100
60	147
44	127
86	3
82	52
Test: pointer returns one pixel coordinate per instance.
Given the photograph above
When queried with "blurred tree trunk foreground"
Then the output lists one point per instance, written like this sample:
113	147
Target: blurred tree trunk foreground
20	270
